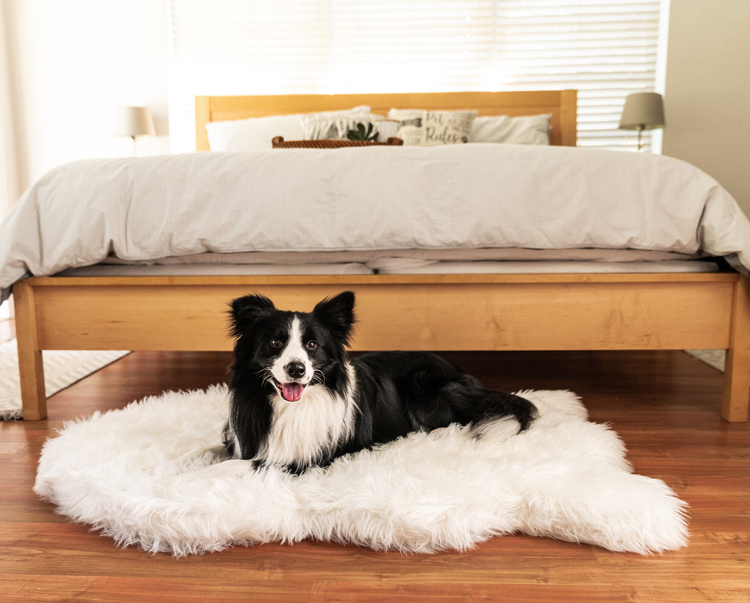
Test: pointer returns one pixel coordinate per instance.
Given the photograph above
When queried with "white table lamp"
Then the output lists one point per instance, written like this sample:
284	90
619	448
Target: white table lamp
132	122
642	111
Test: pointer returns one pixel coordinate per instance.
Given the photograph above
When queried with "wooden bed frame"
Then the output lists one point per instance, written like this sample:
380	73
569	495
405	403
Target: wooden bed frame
416	312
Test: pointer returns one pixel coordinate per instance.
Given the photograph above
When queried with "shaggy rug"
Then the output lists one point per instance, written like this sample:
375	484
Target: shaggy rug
61	369
154	474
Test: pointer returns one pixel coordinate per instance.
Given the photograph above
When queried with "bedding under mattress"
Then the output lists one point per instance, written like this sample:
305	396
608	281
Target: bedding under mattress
405	267
392	266
215	270
463	198
499	254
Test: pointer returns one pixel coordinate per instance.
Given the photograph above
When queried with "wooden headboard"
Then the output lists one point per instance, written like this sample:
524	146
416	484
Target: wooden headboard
562	104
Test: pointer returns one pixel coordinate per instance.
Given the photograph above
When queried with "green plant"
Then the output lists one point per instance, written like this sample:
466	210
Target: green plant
362	134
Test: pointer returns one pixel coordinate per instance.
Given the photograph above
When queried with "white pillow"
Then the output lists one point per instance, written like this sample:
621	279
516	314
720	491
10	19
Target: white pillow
258	132
418	127
532	129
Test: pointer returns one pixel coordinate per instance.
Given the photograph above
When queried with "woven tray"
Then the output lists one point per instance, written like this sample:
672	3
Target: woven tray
279	143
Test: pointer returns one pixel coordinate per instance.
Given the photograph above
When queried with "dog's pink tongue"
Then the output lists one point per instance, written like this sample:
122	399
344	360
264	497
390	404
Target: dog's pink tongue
292	391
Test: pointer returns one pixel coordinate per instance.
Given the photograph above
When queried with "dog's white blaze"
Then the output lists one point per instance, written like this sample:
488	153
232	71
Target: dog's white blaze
293	352
301	431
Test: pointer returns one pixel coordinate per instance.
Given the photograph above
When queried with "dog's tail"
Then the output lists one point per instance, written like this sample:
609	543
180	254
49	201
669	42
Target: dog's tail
496	405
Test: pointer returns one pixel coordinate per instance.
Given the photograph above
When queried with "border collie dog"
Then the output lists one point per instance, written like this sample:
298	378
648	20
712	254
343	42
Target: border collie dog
297	400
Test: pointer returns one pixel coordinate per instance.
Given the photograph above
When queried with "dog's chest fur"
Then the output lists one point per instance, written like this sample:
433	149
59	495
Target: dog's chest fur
304	431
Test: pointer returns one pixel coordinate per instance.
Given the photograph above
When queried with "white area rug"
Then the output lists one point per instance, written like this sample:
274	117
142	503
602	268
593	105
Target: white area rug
713	358
61	369
154	474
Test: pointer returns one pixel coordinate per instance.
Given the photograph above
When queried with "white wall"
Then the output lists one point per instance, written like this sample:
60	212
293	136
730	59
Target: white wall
707	93
72	63
9	187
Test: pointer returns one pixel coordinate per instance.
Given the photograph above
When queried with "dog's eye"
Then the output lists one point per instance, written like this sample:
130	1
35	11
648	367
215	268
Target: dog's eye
276	343
311	345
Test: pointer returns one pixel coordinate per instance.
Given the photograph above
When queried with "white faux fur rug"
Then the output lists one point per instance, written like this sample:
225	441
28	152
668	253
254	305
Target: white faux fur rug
62	368
154	474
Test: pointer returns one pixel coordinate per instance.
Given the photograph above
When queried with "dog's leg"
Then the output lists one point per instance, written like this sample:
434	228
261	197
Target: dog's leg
249	420
434	397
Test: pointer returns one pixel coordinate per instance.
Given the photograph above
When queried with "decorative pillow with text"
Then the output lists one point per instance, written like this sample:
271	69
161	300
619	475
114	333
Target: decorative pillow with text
418	127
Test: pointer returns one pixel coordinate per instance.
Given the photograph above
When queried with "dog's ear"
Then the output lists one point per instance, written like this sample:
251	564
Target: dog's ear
246	310
337	313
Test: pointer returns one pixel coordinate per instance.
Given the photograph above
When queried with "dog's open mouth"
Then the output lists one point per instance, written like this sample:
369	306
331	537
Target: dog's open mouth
291	392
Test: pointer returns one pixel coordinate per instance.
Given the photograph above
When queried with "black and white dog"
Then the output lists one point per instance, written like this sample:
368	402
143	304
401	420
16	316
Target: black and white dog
298	401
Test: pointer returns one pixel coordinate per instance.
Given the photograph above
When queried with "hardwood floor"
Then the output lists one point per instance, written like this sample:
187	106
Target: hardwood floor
664	405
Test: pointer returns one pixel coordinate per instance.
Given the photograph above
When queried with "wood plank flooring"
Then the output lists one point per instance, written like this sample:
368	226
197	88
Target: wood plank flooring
664	405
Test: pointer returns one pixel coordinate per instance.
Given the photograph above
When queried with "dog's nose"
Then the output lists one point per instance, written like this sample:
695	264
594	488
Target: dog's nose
295	370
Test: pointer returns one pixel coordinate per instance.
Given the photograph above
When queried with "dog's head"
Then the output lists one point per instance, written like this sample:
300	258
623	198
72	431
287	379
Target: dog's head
290	350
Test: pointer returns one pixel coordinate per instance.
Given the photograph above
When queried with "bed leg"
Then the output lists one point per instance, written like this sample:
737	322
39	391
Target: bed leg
737	372
30	366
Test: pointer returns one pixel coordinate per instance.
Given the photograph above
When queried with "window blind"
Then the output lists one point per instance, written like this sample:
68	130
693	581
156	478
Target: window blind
605	49
226	47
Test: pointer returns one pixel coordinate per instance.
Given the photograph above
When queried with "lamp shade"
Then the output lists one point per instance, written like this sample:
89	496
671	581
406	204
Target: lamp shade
133	121
642	110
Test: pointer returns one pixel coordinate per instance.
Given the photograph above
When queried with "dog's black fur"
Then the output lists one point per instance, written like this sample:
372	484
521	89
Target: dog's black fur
296	363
